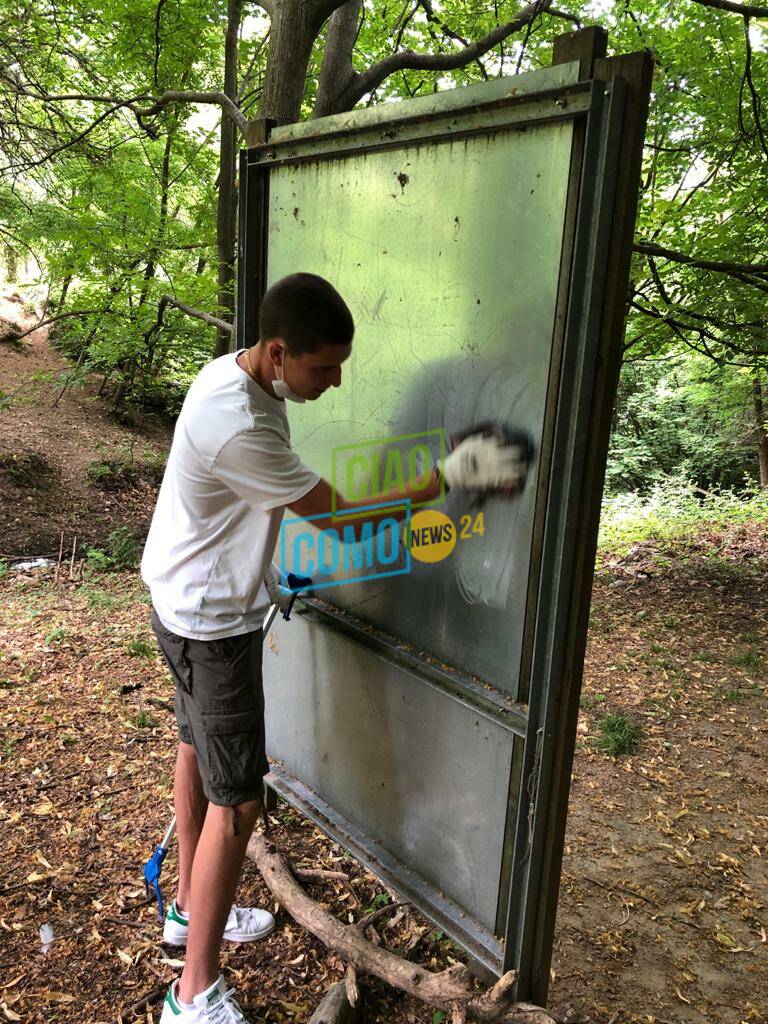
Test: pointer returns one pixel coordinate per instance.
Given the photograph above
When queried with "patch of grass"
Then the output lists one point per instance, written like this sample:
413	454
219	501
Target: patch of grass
588	701
145	720
747	659
707	657
619	735
138	648
734	694
99	599
4	568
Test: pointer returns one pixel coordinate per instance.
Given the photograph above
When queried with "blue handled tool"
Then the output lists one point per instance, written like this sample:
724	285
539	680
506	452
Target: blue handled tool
154	866
295	584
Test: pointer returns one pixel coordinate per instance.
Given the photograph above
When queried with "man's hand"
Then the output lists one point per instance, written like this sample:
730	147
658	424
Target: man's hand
489	458
279	594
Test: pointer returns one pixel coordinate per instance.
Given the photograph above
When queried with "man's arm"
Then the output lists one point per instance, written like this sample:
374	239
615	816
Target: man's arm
321	501
487	459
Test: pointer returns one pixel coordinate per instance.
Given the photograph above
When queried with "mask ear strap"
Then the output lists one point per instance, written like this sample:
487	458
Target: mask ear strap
280	367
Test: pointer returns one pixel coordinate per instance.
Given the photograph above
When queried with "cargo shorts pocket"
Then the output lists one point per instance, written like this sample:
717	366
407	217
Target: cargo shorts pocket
236	756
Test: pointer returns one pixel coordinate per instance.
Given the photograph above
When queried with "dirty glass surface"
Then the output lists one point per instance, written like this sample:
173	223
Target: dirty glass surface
448	255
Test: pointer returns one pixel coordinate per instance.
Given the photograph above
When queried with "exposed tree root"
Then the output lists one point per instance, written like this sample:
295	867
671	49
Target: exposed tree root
335	1008
451	990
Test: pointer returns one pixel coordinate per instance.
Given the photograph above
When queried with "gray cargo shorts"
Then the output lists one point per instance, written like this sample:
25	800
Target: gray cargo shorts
219	704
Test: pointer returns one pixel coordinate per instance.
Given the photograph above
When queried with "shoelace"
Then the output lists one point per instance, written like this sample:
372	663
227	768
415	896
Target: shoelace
225	1011
245	916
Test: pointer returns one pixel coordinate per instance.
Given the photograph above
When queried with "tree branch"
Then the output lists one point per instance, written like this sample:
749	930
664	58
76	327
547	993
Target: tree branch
745	10
408	60
228	106
198	314
324	8
720	266
444	989
337	70
53	319
157	103
706	337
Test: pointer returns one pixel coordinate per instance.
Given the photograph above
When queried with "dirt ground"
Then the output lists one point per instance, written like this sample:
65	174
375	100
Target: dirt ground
48	441
662	914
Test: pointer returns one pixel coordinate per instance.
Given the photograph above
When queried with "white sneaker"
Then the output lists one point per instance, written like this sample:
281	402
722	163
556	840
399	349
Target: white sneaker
216	1005
244	924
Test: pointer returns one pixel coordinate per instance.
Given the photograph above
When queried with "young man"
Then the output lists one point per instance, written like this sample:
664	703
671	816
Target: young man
230	475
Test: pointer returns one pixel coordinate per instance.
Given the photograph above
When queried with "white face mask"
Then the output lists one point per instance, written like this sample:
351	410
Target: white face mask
282	388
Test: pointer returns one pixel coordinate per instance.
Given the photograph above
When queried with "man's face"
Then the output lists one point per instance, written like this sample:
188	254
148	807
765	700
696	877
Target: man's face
311	374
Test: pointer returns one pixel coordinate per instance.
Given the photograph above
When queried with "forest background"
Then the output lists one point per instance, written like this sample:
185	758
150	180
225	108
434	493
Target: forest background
120	122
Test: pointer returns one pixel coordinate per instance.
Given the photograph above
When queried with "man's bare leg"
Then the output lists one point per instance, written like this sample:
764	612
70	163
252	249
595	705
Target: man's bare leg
190	804
215	873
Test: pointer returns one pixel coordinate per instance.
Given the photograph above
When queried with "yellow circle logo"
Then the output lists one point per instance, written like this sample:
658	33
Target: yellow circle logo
432	535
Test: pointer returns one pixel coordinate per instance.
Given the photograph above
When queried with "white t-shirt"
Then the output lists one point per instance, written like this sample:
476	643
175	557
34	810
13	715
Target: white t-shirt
230	474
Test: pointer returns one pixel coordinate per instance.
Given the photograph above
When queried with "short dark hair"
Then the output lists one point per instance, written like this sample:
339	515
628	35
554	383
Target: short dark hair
307	312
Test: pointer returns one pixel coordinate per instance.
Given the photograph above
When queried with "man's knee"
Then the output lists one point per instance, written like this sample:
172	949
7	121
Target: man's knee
245	815
237	820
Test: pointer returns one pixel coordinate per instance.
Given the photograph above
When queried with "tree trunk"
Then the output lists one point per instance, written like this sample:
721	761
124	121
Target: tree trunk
227	206
337	69
59	303
154	252
294	27
11	263
761	427
128	367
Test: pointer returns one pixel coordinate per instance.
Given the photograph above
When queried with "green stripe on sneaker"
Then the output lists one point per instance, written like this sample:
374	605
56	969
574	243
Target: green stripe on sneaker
172	1002
174	915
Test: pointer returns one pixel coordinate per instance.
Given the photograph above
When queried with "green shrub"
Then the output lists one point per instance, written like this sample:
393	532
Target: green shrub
119	475
675	511
123	551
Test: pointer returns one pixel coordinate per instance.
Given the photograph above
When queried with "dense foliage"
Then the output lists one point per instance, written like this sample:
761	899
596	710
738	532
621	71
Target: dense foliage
113	200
